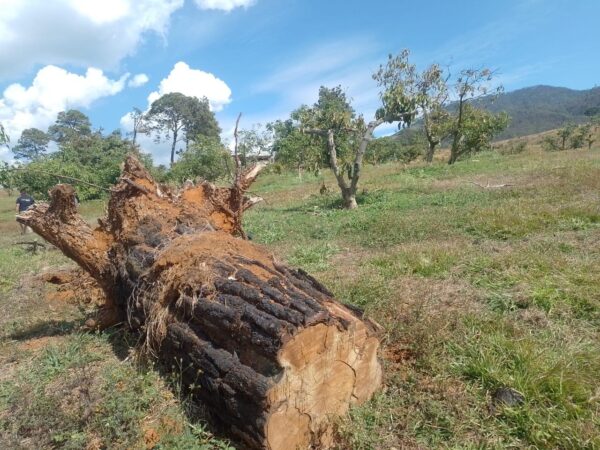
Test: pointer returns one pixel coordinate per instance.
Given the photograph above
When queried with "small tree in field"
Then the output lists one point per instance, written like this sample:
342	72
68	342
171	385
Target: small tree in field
471	84
206	158
479	128
565	133
346	135
294	149
427	91
433	95
590	130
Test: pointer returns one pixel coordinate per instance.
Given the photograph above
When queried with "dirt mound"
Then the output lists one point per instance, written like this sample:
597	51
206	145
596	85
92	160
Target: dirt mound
72	286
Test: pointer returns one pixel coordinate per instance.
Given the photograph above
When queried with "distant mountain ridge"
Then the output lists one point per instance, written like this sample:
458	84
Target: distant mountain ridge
541	108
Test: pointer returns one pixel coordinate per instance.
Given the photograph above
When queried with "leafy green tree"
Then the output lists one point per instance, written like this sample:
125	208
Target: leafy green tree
167	118
426	94
347	135
437	126
577	138
433	89
32	144
479	127
206	158
391	149
550	143
565	133
7	177
293	149
471	84
69	126
590	130
199	121
92	165
333	122
177	117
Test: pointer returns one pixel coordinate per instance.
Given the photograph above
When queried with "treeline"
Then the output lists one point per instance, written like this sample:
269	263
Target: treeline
71	151
328	134
80	153
573	136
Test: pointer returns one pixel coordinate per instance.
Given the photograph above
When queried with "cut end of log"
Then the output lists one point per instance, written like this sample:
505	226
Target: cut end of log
325	371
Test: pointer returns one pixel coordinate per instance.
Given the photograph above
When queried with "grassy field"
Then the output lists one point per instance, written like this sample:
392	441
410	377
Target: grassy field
477	289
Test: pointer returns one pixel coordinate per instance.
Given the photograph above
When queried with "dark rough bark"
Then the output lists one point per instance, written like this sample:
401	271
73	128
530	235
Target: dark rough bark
267	348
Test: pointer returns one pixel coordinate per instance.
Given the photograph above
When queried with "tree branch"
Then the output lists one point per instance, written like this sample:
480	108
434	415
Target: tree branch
60	224
63	177
315	131
334	162
362	148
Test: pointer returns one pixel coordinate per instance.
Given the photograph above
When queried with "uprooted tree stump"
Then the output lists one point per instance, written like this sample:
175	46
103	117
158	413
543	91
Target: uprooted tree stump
266	348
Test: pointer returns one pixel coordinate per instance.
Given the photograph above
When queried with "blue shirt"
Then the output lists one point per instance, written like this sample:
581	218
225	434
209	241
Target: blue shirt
25	202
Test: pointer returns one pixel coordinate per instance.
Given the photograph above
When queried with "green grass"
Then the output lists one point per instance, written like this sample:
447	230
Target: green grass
475	289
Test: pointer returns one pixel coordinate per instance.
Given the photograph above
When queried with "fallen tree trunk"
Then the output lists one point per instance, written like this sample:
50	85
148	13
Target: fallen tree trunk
267	348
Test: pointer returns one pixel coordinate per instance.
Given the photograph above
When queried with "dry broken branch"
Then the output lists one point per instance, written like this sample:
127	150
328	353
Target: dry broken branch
491	186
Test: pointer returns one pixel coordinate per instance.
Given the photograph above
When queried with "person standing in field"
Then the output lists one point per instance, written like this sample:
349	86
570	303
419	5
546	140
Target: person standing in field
24	202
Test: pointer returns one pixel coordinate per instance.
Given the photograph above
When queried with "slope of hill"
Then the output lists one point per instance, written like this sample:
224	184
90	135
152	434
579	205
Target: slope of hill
540	108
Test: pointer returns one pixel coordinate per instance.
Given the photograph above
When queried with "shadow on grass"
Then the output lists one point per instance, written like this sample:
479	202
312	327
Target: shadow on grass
122	340
332	201
46	329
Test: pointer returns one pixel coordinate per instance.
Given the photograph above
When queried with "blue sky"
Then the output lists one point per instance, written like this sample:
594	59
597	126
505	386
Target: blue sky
266	57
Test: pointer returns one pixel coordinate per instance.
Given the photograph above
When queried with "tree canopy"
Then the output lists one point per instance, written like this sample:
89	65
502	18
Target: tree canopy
206	158
32	144
176	117
70	125
344	135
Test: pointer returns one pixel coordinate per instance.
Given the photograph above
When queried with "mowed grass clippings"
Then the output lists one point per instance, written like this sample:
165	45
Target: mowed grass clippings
476	289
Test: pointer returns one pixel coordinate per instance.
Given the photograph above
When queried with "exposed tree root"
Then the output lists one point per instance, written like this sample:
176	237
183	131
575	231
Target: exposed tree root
267	348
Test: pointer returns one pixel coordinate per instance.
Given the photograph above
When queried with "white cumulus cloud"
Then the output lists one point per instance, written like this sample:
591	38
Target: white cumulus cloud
85	33
224	5
194	83
97	33
52	90
138	80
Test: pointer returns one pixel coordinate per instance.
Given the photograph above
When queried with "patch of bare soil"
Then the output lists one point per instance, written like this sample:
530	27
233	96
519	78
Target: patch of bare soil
72	286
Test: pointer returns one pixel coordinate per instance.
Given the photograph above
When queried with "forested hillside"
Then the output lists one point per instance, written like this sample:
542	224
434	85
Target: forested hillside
540	108
534	109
